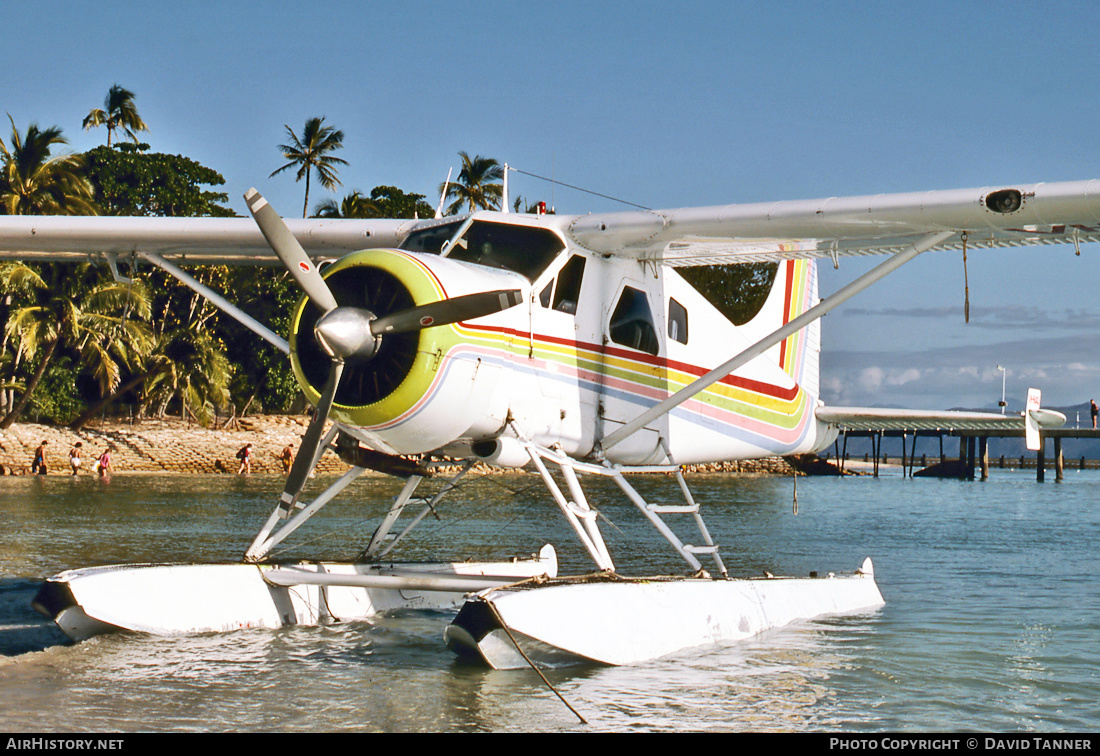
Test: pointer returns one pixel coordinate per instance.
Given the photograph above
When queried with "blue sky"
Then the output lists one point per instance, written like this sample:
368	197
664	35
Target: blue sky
663	104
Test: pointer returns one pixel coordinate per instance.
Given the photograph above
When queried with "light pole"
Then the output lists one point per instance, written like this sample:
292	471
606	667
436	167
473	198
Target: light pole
1003	405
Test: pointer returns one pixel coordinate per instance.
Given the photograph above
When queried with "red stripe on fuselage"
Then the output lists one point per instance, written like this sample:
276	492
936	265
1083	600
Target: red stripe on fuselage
748	384
786	313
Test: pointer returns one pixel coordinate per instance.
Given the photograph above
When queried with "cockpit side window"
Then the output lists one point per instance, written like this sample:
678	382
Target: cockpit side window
568	291
544	295
632	322
523	249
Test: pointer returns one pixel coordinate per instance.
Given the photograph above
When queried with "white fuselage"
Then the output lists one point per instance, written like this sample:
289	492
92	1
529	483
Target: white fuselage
597	341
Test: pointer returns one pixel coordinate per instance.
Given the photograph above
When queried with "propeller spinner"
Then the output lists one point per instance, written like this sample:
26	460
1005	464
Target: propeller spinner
352	334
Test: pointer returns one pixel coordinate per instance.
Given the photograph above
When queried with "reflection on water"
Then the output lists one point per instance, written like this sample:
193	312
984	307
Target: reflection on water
990	623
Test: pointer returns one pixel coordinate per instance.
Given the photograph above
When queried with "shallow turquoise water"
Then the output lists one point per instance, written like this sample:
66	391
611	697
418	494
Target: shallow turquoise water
991	620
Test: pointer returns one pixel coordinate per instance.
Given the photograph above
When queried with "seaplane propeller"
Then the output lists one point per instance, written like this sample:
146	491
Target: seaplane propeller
352	335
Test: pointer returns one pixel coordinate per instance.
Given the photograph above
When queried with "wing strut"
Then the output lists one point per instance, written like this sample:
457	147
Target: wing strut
925	242
265	540
220	302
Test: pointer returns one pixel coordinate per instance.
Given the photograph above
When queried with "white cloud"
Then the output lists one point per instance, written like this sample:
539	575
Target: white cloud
870	379
903	377
965	376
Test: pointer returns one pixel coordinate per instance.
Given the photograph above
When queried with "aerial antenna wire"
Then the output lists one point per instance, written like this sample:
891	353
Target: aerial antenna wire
581	189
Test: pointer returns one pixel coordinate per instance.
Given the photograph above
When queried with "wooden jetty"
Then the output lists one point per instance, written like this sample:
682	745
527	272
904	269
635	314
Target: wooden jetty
973	460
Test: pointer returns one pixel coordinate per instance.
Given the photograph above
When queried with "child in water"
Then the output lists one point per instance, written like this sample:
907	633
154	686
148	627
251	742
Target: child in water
103	464
74	457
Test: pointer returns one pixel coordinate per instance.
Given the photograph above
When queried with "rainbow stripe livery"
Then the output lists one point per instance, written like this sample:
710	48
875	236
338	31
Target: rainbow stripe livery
560	377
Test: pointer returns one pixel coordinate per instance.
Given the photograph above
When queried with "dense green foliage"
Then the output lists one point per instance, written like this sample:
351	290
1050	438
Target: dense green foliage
384	202
76	341
738	291
73	312
129	180
262	379
57	399
394	203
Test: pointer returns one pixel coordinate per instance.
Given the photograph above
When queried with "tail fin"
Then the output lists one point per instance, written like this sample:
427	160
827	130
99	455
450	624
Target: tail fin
793	292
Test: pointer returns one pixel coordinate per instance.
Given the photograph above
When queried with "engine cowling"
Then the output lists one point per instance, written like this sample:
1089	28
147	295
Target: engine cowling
421	389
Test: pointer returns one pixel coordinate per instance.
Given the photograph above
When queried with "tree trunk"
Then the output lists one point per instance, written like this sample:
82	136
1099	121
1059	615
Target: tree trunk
305	204
32	384
98	407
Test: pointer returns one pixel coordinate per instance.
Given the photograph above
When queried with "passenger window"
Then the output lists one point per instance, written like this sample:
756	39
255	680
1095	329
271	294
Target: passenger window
632	322
677	322
568	291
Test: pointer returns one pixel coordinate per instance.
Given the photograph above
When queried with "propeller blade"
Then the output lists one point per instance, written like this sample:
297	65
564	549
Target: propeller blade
311	441
447	311
289	251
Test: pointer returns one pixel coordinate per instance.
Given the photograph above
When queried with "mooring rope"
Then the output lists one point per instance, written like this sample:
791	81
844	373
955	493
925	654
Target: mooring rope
527	658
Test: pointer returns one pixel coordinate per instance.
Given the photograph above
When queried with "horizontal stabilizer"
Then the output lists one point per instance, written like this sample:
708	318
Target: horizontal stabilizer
874	419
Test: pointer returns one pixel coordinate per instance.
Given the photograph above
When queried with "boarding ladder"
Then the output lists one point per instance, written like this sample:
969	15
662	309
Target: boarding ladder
583	518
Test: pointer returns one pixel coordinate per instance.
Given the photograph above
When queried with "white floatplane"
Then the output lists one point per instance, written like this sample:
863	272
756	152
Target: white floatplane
567	343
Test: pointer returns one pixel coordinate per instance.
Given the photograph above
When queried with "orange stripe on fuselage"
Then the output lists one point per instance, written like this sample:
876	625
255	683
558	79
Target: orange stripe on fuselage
734	381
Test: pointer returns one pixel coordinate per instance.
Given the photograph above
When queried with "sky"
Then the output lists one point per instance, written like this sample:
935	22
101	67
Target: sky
663	104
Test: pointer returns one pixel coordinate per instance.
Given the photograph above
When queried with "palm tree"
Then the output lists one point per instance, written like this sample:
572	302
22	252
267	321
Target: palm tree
75	310
354	205
311	152
35	182
119	112
478	185
189	364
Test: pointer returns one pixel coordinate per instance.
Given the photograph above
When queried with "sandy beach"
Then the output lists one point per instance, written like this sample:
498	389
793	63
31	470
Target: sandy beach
175	446
160	446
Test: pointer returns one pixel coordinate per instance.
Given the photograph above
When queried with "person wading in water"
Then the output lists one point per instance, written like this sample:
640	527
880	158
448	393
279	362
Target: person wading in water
74	457
38	467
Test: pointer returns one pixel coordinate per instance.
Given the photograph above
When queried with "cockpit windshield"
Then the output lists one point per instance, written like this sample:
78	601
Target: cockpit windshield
431	240
524	249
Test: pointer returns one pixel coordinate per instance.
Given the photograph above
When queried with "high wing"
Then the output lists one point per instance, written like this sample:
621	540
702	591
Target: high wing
1005	216
198	240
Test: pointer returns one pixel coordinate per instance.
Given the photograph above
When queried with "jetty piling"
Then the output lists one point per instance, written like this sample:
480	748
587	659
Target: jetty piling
973	460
